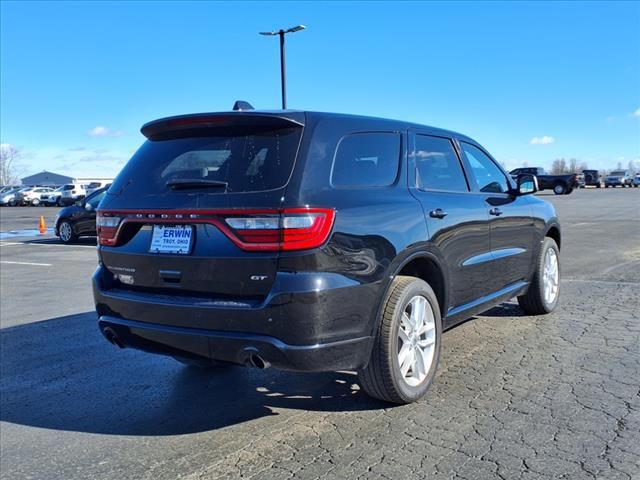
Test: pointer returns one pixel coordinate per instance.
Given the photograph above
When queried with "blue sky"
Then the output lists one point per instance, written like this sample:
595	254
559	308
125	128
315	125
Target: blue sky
530	81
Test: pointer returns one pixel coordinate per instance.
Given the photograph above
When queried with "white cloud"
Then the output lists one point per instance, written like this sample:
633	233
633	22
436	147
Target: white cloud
636	113
101	131
545	140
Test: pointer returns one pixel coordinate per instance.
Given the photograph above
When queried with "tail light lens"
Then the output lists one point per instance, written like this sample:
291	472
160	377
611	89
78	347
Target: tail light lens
107	227
250	230
291	229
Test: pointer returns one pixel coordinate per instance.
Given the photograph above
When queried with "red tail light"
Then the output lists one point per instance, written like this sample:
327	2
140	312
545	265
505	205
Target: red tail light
107	227
251	230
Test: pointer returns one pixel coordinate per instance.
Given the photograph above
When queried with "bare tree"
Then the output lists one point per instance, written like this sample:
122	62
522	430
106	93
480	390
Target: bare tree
9	156
559	166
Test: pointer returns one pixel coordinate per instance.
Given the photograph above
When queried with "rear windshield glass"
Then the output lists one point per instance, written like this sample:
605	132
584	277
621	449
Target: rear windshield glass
69	187
245	161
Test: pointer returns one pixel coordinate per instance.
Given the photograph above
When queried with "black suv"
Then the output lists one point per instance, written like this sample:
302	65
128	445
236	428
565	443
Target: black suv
315	242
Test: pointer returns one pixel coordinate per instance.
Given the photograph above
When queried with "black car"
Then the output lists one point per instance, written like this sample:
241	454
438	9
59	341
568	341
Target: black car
79	219
315	242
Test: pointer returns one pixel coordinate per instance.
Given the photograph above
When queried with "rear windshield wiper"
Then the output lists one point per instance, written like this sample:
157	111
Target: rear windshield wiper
186	183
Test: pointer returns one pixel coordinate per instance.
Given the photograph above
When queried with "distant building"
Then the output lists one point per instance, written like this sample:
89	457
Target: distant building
50	178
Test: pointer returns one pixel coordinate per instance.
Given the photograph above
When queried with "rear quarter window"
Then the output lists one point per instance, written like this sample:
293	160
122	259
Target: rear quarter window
366	160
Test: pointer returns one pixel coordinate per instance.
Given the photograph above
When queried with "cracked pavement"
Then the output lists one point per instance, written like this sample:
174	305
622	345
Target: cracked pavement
516	397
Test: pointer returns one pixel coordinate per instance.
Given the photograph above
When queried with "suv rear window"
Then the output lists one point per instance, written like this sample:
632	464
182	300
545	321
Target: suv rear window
248	161
366	159
69	187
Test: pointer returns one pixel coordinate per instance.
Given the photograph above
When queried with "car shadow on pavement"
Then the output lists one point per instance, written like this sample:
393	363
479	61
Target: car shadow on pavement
61	374
507	309
56	241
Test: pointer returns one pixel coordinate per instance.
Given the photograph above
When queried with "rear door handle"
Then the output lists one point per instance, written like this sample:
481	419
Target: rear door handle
495	211
438	213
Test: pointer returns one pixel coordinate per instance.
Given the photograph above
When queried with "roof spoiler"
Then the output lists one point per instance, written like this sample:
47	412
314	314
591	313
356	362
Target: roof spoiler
200	121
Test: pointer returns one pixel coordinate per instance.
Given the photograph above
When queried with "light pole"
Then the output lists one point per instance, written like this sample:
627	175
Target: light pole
283	73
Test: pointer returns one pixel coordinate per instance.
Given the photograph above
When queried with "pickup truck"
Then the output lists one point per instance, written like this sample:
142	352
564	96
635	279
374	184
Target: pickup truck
560	184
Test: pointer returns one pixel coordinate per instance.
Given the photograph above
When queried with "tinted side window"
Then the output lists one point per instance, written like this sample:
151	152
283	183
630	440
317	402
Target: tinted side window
488	176
437	165
95	199
366	159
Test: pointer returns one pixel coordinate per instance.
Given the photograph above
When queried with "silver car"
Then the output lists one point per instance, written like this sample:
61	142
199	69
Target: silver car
622	178
9	197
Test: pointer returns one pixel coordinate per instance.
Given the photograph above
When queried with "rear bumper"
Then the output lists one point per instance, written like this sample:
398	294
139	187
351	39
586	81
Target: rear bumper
235	348
303	330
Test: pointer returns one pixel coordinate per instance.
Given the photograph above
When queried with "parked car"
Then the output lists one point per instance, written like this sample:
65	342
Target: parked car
560	184
619	178
93	186
7	188
636	180
592	178
8	198
11	198
71	193
79	219
52	198
316	242
30	195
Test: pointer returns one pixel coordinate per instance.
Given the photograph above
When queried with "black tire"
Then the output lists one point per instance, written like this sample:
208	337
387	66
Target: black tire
382	378
59	202
35	202
598	186
559	188
67	237
534	301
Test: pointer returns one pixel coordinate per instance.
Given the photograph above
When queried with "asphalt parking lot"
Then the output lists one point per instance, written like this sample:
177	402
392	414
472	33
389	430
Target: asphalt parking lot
556	396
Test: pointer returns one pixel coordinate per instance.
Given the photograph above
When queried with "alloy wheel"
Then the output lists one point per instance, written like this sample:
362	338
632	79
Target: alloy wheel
416	341
65	232
550	277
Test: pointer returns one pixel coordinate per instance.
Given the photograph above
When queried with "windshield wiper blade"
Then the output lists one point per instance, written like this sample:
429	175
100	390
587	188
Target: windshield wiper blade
187	183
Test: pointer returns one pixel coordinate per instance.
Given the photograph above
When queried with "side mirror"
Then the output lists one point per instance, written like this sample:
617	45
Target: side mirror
527	184
88	207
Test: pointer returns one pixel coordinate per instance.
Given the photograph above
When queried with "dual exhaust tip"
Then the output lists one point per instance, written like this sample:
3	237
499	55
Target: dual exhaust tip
252	358
256	361
112	337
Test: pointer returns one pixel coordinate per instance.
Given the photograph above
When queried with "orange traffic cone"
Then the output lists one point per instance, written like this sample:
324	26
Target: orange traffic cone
42	227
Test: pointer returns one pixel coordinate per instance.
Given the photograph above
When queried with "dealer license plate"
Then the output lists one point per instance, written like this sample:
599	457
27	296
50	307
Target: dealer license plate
171	239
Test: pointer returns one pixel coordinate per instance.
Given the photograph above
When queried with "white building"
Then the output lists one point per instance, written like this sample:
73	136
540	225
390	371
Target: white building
50	178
